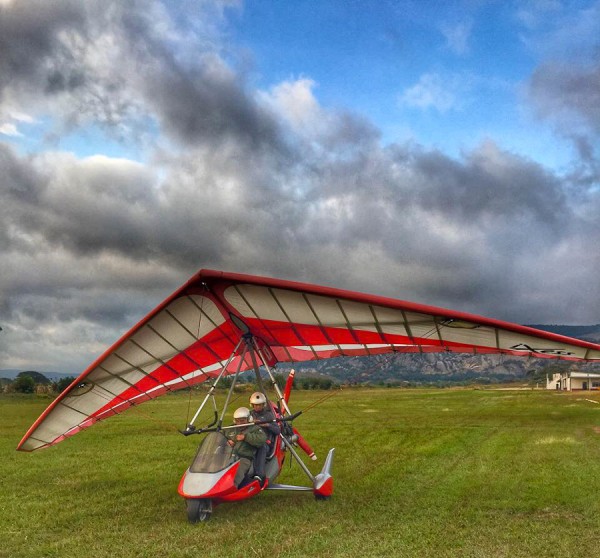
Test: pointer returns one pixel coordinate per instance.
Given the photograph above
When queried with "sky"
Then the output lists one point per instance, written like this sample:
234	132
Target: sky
445	153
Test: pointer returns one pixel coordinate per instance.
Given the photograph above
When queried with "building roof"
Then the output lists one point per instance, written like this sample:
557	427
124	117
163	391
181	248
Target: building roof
583	375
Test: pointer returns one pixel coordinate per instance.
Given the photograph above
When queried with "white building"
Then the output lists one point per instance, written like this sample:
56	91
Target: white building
572	380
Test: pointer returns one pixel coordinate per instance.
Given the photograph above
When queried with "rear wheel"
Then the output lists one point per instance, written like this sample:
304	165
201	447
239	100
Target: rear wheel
198	509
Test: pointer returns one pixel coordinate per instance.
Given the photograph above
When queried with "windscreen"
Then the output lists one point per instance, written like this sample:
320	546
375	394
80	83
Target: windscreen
213	454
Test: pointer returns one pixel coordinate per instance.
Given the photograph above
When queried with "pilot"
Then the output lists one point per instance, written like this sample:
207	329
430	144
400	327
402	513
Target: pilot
245	440
261	413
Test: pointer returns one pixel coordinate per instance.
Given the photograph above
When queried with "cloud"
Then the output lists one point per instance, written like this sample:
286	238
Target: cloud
564	89
568	97
457	36
568	93
442	93
12	119
556	31
295	103
93	244
9	129
267	182
119	64
535	14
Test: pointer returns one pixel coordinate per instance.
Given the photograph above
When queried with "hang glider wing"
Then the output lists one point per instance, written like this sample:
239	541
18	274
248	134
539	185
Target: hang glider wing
190	336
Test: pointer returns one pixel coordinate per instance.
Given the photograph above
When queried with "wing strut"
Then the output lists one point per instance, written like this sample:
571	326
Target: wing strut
282	400
190	428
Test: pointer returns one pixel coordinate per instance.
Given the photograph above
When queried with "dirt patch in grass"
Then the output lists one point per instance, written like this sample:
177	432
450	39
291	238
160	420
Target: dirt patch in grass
557	440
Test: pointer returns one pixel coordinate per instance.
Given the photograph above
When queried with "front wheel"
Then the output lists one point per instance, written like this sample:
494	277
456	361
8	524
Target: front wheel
321	498
198	510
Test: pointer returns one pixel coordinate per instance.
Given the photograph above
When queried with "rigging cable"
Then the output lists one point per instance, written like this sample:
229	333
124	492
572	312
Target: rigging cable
187	418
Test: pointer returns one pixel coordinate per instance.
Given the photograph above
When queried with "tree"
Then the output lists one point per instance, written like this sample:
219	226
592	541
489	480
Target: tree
24	384
315	382
279	379
63	383
538	375
37	377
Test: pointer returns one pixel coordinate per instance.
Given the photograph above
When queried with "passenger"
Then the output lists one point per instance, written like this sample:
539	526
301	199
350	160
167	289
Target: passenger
263	415
245	440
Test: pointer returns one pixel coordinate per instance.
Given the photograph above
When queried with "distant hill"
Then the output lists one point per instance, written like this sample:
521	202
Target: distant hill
427	368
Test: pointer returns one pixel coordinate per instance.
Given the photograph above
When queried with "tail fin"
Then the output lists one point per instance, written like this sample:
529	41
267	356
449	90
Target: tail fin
323	483
305	446
288	385
286	397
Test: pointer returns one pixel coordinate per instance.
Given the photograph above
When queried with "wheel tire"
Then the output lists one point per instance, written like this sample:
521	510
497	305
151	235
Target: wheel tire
205	510
198	510
321	498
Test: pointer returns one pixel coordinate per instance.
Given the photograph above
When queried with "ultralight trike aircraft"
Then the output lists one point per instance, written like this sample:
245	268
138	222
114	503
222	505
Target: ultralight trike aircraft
210	478
222	324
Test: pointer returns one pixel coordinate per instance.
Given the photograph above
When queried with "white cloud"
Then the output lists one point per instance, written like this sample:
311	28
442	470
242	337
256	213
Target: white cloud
295	103
21	117
435	91
10	116
561	33
458	36
534	14
9	129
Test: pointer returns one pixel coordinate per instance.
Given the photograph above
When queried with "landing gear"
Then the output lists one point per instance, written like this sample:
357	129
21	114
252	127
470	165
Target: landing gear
320	497
198	509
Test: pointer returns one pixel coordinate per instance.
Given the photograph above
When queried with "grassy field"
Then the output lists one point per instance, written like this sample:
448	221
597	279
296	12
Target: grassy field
469	473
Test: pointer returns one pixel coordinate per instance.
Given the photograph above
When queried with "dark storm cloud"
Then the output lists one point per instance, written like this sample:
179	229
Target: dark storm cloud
20	182
196	99
568	96
564	89
208	104
110	62
29	39
84	207
568	92
226	210
490	184
99	242
257	182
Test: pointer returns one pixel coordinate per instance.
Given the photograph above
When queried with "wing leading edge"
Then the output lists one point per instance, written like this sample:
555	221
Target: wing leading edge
190	336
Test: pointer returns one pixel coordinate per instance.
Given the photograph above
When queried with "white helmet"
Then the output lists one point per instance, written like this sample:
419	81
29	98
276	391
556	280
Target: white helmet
242	413
258	398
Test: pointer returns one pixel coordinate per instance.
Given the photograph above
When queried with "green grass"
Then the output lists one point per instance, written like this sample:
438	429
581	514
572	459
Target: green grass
469	473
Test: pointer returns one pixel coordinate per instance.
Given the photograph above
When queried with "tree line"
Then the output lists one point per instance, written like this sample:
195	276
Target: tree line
300	382
34	382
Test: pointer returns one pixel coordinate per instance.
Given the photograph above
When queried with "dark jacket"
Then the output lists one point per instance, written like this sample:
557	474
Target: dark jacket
255	437
272	428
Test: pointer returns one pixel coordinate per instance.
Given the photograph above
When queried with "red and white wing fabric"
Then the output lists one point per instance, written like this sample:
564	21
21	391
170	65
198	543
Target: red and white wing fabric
190	336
